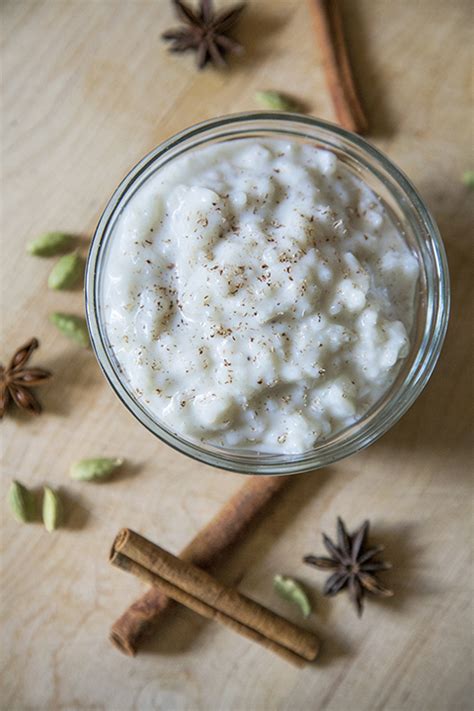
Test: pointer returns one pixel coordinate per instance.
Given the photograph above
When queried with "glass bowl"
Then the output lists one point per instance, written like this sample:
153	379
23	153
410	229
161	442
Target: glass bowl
414	219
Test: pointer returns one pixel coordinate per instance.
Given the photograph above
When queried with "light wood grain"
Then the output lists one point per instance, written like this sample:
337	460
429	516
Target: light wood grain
87	89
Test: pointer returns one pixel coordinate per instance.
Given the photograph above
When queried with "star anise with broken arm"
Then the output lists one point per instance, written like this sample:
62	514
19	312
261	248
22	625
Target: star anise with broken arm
205	32
16	380
354	565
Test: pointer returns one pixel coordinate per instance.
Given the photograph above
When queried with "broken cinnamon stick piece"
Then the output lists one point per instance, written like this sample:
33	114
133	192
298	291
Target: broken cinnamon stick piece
327	22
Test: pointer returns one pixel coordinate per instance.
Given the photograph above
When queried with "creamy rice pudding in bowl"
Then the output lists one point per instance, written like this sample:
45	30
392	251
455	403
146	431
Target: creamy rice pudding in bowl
267	293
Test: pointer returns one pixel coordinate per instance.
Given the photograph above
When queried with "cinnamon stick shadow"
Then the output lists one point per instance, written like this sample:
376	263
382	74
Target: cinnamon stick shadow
280	513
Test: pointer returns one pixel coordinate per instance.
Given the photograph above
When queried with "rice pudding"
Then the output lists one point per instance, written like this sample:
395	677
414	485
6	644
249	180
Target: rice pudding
258	295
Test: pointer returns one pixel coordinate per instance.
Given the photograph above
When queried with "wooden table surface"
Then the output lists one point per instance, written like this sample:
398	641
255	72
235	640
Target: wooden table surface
87	89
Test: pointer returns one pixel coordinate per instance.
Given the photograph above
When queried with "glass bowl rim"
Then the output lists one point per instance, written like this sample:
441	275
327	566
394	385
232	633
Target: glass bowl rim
280	464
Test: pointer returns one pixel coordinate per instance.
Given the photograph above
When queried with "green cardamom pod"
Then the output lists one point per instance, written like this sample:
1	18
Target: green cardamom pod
73	327
290	590
50	244
22	502
66	272
90	469
52	509
275	100
468	179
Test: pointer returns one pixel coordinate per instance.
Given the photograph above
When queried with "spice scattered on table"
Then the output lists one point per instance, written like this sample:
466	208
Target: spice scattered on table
278	102
354	565
205	32
73	327
52	509
67	272
292	591
17	380
50	244
468	179
22	502
95	469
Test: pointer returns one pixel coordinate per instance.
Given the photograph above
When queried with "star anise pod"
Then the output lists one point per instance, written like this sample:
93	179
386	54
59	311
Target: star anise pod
205	32
16	381
354	565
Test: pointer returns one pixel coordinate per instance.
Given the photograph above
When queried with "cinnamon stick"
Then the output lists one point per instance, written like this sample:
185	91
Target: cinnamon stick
327	22
197	589
170	591
204	550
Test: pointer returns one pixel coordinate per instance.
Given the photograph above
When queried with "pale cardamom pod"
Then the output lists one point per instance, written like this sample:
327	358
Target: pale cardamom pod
66	272
52	509
73	327
292	591
22	502
90	469
275	100
468	179
50	244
